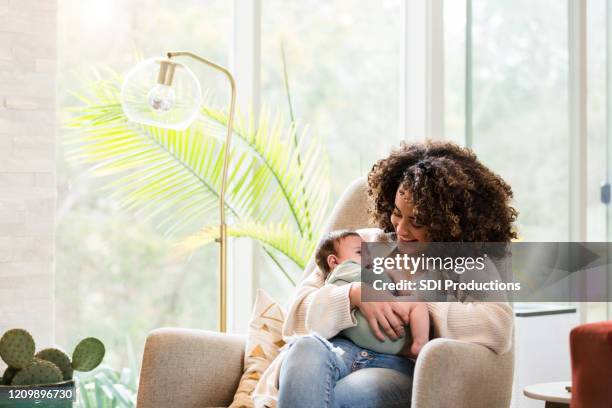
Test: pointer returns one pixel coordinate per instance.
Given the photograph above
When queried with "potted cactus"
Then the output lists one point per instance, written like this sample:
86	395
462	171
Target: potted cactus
48	370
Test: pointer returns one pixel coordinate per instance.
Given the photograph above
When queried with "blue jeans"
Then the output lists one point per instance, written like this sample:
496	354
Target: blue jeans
314	374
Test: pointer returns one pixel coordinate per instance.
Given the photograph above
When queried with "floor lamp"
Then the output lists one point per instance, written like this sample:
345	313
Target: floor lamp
165	93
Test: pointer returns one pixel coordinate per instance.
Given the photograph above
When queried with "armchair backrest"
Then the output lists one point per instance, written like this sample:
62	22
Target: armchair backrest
350	212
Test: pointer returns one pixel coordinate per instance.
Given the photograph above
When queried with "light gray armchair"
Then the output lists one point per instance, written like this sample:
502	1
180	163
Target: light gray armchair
184	368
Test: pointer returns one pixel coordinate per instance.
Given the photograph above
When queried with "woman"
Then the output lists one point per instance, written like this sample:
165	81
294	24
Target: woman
433	192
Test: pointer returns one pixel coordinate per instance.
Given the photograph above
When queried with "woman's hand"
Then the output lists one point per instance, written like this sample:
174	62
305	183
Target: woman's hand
388	317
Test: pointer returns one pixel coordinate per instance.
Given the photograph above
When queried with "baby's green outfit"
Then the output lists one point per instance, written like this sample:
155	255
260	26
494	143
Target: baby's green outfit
348	272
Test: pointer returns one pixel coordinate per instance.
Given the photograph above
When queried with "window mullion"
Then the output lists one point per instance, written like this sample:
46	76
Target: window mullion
422	71
245	64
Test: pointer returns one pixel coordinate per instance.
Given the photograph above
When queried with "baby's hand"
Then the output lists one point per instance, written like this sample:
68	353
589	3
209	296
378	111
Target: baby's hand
416	347
403	309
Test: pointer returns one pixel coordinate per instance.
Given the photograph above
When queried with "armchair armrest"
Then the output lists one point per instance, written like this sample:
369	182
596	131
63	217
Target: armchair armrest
461	374
184	368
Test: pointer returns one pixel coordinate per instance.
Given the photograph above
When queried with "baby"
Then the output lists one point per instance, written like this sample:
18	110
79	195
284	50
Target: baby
338	256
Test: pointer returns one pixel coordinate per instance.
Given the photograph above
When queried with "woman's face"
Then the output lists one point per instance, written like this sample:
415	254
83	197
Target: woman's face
403	221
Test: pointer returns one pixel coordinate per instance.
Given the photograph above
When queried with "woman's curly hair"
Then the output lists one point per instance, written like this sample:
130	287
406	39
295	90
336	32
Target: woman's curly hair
454	195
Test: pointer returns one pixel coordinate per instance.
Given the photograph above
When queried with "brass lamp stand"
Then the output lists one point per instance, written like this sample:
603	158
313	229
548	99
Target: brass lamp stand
176	108
222	240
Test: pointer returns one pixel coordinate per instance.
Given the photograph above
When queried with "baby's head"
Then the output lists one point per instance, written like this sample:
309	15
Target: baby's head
336	247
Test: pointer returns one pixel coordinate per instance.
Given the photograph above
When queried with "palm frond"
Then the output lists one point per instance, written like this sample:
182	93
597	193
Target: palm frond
299	170
156	171
278	183
276	237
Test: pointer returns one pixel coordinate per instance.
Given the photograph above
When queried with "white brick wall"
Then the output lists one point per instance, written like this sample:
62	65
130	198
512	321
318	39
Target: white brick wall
27	165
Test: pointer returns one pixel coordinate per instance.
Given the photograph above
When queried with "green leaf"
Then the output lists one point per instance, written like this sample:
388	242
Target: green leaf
278	182
278	237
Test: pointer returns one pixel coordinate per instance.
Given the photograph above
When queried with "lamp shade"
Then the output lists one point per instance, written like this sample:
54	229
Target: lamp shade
161	92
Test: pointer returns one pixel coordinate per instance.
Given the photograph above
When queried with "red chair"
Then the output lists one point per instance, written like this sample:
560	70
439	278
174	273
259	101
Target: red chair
591	350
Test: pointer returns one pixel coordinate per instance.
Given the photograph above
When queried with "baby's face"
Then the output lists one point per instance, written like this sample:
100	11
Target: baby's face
349	248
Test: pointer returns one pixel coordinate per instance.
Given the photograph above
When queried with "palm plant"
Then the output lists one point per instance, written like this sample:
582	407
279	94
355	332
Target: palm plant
278	185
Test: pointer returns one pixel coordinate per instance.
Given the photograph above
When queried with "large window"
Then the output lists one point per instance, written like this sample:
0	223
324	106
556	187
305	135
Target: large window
115	275
343	69
343	65
507	95
518	76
